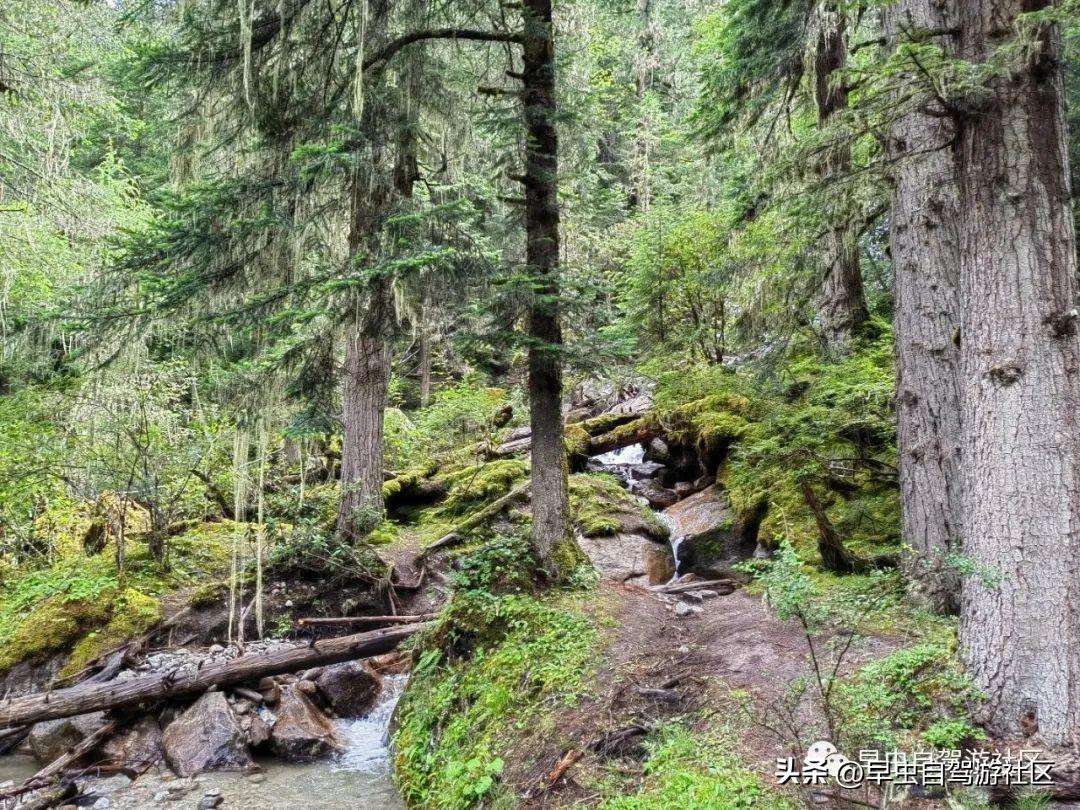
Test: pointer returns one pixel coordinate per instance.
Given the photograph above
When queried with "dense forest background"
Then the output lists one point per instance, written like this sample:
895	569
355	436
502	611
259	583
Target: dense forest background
272	273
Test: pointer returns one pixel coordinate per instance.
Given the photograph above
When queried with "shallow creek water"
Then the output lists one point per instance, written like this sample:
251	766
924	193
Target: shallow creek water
359	778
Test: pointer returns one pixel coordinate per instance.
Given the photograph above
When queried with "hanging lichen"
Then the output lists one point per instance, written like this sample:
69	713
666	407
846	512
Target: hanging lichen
358	86
247	11
260	530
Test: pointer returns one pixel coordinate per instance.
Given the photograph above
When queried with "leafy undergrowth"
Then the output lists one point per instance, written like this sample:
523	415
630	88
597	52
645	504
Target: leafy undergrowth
506	665
908	695
696	771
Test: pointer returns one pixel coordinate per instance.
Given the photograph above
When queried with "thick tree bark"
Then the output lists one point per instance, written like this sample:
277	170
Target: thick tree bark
1019	388
382	183
842	306
367	377
149	689
924	242
550	507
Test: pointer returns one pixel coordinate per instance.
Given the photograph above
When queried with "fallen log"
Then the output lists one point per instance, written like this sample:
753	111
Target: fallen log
54	768
53	797
725	585
179	683
603	424
491	510
640	431
338	621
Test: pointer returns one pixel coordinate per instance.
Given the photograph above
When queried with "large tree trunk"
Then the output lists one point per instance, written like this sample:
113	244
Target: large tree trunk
925	255
549	470
367	377
842	306
367	350
1019	388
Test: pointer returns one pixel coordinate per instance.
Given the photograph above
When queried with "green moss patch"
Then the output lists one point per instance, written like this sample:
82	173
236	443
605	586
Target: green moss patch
133	613
504	667
84	604
600	506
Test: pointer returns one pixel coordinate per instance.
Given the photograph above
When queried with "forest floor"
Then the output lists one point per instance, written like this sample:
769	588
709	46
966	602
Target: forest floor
729	662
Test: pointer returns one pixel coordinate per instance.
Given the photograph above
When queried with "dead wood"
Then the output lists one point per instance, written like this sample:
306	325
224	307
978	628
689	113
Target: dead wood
150	689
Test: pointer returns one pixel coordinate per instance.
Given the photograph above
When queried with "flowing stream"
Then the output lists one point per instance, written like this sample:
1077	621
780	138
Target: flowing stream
359	778
622	463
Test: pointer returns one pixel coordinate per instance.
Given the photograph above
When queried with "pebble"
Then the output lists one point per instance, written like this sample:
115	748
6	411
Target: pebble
215	649
117	782
211	799
682	610
257	778
101	804
288	603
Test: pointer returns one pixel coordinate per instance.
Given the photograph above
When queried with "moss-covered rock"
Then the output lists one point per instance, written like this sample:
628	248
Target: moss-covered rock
600	506
133	613
53	626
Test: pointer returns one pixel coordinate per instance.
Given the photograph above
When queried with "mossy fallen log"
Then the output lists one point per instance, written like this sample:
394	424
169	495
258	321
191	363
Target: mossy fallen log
595	426
478	518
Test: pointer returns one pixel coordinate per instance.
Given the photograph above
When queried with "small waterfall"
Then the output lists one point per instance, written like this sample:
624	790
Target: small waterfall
366	737
675	539
631	454
621	462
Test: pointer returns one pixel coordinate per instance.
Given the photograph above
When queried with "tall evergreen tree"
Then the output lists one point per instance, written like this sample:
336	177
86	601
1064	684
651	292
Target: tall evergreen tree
924	242
1019	380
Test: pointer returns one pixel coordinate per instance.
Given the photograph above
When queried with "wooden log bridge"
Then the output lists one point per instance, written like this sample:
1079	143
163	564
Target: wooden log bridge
91	697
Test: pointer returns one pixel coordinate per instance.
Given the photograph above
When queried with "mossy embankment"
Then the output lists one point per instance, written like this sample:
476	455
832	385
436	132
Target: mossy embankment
85	602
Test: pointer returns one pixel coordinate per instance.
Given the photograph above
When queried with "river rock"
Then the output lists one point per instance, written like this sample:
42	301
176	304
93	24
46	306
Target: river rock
659	562
658	496
301	731
657	450
256	730
645	470
350	688
712	538
206	737
269	689
137	746
52	738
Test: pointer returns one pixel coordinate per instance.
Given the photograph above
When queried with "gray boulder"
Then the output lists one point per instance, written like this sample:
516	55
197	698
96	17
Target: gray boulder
349	689
206	737
301	731
713	538
52	738
658	496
